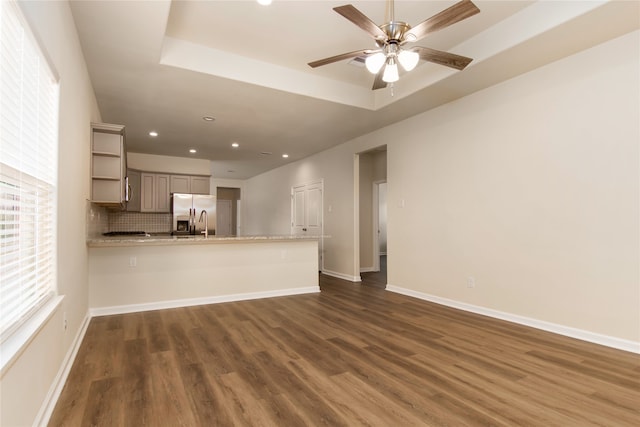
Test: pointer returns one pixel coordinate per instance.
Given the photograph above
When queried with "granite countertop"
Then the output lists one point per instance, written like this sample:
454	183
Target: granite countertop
164	239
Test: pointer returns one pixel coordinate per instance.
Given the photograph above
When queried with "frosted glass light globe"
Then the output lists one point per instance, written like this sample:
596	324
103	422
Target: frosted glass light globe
375	62
408	59
391	72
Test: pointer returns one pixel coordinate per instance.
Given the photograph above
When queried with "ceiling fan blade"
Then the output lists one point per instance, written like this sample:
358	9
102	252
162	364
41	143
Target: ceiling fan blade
456	13
361	20
378	83
443	58
340	57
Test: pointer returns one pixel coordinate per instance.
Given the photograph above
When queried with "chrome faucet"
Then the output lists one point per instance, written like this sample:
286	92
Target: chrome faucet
206	223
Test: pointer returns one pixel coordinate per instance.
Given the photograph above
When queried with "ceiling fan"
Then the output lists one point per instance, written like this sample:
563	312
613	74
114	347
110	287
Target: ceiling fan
393	35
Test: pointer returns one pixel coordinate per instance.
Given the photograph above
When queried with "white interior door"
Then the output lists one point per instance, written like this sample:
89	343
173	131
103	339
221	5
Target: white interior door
313	209
298	208
224	223
306	213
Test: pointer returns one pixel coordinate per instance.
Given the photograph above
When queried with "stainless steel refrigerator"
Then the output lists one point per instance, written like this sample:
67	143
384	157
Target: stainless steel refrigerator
190	213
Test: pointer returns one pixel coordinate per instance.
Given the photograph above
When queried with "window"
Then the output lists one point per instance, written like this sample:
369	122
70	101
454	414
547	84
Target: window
28	173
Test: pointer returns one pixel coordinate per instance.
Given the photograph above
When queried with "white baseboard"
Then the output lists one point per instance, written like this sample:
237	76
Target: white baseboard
368	270
342	276
618	343
161	305
49	404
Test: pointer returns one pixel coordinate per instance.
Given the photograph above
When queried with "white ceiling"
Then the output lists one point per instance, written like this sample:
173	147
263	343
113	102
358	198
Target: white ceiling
162	65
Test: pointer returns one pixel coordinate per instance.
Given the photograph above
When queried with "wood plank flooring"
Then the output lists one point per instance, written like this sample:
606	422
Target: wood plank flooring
352	355
377	279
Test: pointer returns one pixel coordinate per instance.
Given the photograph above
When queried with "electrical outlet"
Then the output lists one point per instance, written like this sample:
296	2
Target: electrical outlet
471	282
133	261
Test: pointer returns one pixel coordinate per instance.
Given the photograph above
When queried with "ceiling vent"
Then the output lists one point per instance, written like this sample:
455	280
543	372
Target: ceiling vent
358	61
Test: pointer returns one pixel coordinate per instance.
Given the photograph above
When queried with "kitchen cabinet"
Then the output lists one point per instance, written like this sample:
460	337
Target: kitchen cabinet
189	184
134	177
108	165
200	185
151	192
163	197
154	192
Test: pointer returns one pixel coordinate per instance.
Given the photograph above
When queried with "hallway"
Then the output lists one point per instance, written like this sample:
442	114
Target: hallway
376	279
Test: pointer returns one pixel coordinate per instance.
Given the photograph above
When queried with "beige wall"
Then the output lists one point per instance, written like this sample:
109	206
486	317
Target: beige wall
168	164
530	186
26	384
266	203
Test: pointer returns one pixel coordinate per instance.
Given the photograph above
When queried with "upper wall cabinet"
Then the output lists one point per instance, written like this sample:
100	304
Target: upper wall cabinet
108	165
154	192
189	184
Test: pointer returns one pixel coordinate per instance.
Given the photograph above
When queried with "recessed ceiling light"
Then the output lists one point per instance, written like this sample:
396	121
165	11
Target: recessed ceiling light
192	150
264	2
208	118
153	133
235	145
285	155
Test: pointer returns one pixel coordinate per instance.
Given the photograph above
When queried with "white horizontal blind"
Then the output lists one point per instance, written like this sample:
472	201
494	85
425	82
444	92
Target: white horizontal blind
28	173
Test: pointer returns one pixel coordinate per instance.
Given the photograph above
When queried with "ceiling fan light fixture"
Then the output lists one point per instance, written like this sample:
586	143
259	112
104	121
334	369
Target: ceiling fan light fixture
375	62
391	72
408	59
392	35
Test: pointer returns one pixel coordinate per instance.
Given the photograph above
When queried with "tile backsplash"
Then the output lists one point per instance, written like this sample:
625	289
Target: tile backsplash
97	220
101	220
136	221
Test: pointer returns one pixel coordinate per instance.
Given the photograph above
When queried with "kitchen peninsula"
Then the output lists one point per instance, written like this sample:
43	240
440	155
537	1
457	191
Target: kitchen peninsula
140	273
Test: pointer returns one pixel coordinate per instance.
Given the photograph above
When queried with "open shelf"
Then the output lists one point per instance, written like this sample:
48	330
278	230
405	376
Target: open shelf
107	178
108	164
105	154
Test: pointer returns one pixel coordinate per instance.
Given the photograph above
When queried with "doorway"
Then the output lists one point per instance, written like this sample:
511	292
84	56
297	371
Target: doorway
224	218
380	225
228	211
371	216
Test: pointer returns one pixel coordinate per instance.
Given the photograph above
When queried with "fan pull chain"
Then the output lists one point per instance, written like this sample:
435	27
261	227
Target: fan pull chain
391	86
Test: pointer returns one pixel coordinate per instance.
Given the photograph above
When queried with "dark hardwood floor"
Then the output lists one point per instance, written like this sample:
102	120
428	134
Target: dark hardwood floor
351	355
376	279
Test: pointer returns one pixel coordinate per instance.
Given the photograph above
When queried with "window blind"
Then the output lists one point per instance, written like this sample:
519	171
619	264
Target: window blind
28	173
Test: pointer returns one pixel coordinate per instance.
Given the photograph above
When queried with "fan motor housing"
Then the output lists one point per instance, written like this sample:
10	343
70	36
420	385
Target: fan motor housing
395	30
